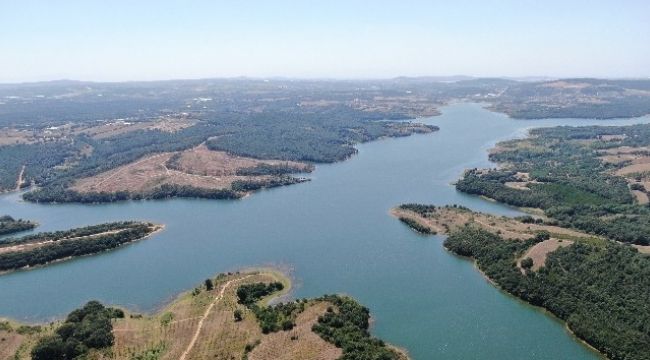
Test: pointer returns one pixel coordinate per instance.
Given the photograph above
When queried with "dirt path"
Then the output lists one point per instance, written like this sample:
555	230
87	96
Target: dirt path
21	178
205	315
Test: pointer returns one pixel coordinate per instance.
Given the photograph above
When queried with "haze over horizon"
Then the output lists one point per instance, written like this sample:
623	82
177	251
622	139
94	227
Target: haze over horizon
160	40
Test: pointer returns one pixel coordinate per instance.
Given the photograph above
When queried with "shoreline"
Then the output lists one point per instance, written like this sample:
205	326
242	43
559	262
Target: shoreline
159	228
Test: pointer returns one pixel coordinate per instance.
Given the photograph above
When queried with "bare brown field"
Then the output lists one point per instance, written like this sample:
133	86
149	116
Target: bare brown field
198	167
446	219
9	136
639	165
108	129
298	343
641	197
540	251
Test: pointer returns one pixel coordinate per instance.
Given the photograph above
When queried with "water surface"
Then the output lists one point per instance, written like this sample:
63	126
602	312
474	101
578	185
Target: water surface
336	235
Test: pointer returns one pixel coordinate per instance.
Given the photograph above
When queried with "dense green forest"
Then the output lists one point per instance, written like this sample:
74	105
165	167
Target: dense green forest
71	243
602	292
9	225
568	180
346	325
84	329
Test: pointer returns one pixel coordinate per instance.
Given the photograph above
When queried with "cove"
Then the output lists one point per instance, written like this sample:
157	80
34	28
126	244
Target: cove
336	235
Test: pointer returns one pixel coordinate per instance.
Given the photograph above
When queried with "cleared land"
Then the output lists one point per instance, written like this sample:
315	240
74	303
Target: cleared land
201	325
444	220
198	167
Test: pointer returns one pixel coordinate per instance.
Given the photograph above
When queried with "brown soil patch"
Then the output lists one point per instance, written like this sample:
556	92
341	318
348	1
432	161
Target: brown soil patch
298	343
641	197
198	167
540	251
644	249
9	343
639	165
446	219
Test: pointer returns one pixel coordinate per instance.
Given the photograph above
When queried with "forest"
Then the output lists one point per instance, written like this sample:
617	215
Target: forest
568	179
53	246
602	292
84	329
346	325
9	225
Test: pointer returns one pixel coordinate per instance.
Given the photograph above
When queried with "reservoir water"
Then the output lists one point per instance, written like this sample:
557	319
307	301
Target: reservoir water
334	233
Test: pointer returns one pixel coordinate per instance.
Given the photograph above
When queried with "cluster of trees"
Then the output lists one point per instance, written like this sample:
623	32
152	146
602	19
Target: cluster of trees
601	291
84	329
570	183
9	225
416	226
270	318
67	247
347	328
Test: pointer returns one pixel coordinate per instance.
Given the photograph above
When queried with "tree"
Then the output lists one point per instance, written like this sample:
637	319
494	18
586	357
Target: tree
209	285
239	315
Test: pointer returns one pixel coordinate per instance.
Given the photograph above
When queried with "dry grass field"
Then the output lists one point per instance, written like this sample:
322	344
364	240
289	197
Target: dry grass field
198	167
200	324
447	219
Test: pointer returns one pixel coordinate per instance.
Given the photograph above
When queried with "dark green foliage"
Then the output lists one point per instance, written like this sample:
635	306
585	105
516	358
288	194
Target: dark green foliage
602	292
9	225
238	314
209	285
573	186
268	169
271	318
249	294
413	224
347	328
84	329
95	239
527	263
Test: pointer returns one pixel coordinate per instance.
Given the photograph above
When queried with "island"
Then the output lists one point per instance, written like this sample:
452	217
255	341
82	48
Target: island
48	247
9	225
228	316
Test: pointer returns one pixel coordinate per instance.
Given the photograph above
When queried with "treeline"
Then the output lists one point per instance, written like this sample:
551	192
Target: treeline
413	224
83	330
62	248
60	194
72	233
346	324
568	180
602	292
271	169
9	225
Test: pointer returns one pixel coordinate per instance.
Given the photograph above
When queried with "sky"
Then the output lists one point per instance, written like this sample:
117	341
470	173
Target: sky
116	40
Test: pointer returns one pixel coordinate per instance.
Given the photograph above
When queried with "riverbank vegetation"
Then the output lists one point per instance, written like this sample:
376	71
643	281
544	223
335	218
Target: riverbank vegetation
47	247
576	176
602	292
9	225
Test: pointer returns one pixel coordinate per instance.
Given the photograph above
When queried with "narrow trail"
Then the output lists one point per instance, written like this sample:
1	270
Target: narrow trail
21	178
205	315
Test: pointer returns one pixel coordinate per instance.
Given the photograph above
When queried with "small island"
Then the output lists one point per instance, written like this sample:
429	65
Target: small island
227	317
48	247
9	225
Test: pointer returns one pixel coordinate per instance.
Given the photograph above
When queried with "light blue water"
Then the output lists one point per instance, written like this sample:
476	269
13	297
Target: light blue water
337	236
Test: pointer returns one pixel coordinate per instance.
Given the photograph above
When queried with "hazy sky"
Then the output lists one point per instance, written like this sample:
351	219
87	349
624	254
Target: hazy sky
142	40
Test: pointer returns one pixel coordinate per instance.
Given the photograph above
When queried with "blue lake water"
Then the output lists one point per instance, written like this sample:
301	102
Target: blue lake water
334	233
